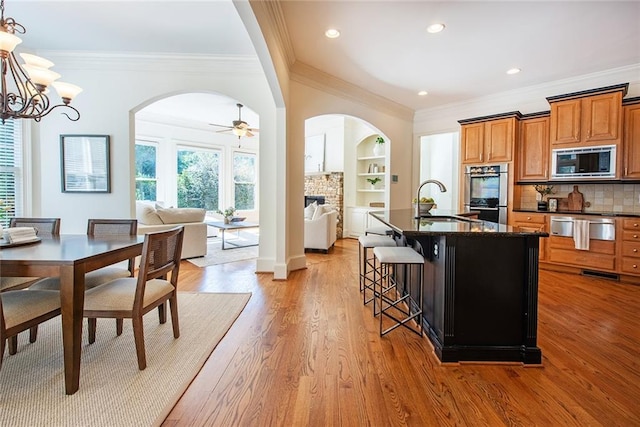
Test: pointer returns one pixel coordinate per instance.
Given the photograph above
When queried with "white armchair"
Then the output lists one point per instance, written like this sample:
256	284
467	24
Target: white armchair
320	232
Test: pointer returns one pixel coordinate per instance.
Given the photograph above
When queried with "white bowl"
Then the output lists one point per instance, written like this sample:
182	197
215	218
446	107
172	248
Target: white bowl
424	207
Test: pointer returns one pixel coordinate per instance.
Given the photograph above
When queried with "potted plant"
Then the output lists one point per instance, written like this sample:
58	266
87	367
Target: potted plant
227	214
378	147
374	181
543	191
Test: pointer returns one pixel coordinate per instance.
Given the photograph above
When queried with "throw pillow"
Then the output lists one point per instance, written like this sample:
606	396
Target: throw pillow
181	215
320	211
146	214
310	210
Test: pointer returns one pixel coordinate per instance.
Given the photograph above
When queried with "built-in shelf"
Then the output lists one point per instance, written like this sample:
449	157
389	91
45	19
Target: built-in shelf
372	158
371	174
381	190
317	173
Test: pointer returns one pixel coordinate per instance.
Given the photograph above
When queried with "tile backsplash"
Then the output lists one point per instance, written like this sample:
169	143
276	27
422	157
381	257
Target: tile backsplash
615	198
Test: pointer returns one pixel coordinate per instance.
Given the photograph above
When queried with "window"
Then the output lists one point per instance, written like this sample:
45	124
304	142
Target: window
244	179
11	183
146	165
198	178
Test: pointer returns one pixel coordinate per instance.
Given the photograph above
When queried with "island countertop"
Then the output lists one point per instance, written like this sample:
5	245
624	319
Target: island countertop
446	222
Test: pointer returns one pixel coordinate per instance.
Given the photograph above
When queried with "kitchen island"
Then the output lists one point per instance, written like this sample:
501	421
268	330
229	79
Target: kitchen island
480	291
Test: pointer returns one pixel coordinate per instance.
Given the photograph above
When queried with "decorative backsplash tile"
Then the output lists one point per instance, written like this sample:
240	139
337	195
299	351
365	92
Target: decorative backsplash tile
615	198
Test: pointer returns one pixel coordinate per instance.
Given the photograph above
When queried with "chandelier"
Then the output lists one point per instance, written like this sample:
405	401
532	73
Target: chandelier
25	87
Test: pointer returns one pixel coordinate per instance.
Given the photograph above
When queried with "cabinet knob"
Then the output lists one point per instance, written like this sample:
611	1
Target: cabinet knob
635	266
635	236
635	224
635	250
528	217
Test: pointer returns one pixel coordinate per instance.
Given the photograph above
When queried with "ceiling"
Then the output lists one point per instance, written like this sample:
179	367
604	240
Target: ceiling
384	46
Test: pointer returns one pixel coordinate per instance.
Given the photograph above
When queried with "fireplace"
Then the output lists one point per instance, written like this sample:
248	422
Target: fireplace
310	199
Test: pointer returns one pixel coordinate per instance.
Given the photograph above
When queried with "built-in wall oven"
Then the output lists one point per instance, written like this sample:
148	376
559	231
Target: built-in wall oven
486	191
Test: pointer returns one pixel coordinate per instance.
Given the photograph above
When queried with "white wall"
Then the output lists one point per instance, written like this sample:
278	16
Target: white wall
115	87
439	159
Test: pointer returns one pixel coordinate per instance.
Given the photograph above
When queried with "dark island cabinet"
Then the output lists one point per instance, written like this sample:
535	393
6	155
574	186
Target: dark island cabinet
480	296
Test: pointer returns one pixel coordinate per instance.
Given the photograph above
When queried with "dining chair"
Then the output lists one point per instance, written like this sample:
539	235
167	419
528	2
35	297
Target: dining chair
46	227
99	228
21	310
131	298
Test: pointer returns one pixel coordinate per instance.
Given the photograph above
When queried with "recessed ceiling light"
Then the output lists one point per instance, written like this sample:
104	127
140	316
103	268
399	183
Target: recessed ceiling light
513	70
332	33
423	93
435	28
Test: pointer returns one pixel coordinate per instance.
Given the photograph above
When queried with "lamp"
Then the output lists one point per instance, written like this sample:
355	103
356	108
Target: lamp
24	90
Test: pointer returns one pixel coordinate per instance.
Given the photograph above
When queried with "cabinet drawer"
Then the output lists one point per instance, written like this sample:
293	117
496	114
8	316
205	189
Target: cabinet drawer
630	265
631	249
607	247
631	224
631	236
529	218
584	259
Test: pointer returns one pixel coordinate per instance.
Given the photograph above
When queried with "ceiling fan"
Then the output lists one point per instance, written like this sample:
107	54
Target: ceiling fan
240	128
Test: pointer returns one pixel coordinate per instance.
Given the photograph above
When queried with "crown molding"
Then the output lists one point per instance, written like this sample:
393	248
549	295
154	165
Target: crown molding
277	26
310	76
527	99
183	63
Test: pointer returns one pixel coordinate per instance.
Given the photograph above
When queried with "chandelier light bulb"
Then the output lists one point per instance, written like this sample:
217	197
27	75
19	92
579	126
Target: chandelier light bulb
23	87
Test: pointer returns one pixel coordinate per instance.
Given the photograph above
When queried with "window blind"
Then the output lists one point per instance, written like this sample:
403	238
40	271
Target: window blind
11	187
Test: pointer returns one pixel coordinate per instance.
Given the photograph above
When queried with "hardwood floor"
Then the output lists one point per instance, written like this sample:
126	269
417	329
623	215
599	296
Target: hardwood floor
305	352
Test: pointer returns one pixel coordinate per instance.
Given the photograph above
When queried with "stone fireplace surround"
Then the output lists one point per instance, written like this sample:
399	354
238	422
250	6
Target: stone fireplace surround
329	185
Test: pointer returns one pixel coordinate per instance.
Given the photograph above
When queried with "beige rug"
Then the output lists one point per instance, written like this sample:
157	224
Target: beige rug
113	392
215	255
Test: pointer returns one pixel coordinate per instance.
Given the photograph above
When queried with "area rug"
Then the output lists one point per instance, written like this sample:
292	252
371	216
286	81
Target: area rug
215	254
113	392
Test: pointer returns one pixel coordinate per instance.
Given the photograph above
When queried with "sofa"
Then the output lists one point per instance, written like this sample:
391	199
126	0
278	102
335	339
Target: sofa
320	225
153	217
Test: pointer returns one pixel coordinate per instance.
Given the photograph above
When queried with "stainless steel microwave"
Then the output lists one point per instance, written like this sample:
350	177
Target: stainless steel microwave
598	162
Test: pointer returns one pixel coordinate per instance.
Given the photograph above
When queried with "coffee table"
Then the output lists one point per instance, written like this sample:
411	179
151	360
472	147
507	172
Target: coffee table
232	226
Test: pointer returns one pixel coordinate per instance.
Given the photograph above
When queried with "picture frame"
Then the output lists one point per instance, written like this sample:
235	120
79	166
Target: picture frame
85	163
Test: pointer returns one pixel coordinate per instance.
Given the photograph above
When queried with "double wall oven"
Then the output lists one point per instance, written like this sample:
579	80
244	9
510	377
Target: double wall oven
486	191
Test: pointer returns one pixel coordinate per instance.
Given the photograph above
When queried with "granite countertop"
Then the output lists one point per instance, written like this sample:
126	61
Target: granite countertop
444	222
629	214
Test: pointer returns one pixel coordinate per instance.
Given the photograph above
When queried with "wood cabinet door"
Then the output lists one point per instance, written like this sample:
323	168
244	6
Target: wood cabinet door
565	122
533	149
499	137
631	146
472	139
601	117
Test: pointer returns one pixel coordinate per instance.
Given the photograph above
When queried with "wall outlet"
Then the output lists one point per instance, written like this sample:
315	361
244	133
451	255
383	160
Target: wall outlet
394	178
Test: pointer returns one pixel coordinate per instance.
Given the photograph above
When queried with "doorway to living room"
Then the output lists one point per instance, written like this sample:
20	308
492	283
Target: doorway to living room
184	159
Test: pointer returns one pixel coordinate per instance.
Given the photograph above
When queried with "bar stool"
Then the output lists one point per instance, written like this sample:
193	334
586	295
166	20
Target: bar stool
388	296
379	230
365	260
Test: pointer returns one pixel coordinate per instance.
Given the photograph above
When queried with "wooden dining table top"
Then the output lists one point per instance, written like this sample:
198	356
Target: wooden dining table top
69	257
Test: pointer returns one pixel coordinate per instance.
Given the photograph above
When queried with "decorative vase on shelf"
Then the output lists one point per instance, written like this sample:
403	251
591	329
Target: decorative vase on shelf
227	220
378	149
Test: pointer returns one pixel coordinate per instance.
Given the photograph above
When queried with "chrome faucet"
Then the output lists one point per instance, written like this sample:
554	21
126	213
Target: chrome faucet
432	181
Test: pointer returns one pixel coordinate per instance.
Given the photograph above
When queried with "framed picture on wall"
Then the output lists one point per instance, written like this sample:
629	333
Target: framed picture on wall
85	163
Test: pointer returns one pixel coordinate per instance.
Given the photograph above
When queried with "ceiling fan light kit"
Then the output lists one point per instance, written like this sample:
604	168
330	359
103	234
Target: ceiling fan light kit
24	88
240	128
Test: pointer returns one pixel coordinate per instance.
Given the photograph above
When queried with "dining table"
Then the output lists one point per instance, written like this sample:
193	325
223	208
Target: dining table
68	257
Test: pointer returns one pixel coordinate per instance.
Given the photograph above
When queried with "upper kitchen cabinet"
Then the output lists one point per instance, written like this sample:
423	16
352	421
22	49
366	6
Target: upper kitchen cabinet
592	117
533	148
488	139
631	142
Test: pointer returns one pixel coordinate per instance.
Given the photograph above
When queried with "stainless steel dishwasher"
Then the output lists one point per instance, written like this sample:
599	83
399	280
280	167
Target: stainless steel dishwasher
599	228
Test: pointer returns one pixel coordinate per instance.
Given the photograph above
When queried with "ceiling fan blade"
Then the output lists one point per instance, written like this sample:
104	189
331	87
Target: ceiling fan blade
221	126
255	130
249	134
